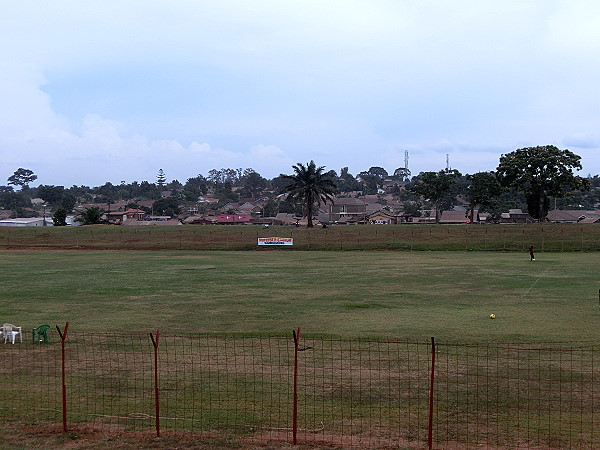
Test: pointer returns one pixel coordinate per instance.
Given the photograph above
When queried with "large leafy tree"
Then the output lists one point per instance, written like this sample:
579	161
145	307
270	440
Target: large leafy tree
402	173
310	185
60	217
439	188
346	181
483	191
379	172
22	177
166	206
194	188
253	184
539	173
51	194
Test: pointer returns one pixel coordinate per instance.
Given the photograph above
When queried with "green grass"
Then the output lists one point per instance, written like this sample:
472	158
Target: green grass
387	295
240	385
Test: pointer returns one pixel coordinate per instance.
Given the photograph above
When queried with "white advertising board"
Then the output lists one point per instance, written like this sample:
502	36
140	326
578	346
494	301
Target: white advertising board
275	241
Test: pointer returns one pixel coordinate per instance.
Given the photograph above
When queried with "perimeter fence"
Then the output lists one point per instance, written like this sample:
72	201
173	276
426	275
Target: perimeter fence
341	392
514	238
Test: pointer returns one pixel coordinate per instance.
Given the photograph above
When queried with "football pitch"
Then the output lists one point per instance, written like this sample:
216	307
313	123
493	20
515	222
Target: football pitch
370	294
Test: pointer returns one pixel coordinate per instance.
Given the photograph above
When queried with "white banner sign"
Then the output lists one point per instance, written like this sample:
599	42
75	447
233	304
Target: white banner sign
275	241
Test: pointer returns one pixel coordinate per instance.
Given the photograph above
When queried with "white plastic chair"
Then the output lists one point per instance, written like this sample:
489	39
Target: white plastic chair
10	333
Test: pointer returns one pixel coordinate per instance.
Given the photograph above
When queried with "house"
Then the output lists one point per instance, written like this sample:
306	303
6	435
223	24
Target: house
250	208
458	217
573	216
201	220
347	209
382	217
137	214
285	219
114	217
515	216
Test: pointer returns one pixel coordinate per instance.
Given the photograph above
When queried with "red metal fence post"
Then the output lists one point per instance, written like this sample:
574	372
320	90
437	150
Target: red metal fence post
63	336
430	434
295	401
156	402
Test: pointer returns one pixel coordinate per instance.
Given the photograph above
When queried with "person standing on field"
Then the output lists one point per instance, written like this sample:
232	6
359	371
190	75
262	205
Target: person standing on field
531	253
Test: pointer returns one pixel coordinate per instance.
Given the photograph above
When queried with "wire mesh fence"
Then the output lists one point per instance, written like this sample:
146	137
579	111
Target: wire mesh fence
515	237
350	393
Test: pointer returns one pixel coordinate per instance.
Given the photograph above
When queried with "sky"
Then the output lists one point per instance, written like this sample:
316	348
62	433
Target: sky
114	90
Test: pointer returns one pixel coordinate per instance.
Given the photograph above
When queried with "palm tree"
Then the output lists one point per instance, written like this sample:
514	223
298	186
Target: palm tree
310	185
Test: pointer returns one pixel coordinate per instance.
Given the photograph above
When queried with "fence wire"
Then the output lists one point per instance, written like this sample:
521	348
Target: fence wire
351	393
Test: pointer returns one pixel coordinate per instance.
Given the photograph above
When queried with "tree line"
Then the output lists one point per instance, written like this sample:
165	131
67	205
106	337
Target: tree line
528	178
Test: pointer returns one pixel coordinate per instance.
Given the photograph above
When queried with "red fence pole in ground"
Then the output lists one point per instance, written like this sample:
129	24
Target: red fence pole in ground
156	403
430	434
63	336
295	401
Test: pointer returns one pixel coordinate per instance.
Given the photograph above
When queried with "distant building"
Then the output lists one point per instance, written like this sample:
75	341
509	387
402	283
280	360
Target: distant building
382	217
515	216
233	219
348	210
27	222
573	216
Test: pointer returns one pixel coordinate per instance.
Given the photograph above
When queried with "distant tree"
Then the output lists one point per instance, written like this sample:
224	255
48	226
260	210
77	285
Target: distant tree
412	209
91	216
22	177
107	193
161	178
379	172
438	188
252	183
271	208
194	188
224	176
346	181
541	172
79	192
370	183
68	202
310	186
60	217
51	194
174	185
9	199
215	176
483	191
279	183
166	207
148	190
225	194
402	173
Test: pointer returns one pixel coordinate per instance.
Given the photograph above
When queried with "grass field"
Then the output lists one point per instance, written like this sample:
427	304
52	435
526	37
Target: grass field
369	294
501	396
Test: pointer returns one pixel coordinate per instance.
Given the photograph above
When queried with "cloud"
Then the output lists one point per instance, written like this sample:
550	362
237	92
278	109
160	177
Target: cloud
586	141
112	91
